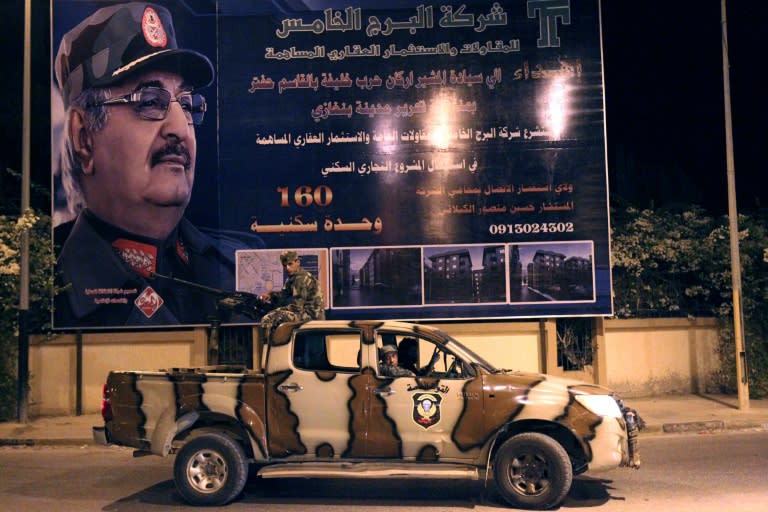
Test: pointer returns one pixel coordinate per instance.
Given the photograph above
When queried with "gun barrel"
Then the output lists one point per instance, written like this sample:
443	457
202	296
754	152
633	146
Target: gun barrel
191	284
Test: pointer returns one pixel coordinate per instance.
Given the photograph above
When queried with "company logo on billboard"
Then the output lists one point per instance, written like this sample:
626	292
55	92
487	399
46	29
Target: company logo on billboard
149	302
426	409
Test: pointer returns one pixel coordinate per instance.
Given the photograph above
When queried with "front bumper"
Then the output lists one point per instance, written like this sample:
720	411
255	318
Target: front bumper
633	423
633	430
615	443
609	447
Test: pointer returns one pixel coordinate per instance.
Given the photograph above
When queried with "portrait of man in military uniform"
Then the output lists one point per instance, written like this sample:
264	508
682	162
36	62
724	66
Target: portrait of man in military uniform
131	104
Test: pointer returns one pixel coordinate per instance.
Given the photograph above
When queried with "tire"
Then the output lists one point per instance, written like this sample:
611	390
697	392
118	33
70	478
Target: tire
210	470
532	471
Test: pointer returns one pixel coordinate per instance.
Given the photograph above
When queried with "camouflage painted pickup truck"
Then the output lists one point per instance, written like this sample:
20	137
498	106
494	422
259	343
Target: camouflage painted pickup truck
319	406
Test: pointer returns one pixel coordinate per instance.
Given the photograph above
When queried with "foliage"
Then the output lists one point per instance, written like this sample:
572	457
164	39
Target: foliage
754	286
574	343
677	263
662	261
41	259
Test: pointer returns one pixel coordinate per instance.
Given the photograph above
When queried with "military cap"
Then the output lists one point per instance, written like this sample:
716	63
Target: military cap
288	256
386	349
117	41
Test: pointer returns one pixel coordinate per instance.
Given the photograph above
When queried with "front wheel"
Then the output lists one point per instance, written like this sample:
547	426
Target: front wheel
532	471
210	470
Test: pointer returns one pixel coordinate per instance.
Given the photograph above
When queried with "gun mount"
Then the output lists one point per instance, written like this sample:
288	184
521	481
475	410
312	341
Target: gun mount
244	303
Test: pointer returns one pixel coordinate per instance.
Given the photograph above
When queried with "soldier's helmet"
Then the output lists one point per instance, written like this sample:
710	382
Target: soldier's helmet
121	40
287	257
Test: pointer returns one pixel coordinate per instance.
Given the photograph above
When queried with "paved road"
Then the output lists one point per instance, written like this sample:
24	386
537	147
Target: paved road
701	473
725	472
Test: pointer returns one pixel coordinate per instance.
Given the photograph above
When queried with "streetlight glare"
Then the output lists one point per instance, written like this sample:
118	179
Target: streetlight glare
555	109
440	114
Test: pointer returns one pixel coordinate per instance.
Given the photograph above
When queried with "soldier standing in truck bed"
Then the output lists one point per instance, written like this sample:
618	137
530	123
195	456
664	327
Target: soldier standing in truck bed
300	299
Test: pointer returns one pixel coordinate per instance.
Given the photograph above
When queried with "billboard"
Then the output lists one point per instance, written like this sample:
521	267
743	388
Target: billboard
435	159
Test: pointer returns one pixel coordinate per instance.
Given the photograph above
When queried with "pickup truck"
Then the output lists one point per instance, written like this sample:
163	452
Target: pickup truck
318	405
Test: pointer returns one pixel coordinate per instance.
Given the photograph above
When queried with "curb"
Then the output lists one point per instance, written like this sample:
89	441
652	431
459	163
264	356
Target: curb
708	426
694	426
46	442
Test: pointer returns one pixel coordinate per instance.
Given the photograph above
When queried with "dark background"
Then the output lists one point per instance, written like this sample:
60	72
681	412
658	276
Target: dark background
663	87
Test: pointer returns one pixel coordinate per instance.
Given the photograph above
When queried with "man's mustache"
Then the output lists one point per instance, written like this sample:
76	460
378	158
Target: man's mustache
172	150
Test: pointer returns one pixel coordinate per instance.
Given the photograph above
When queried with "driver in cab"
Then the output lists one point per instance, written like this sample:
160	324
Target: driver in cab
389	363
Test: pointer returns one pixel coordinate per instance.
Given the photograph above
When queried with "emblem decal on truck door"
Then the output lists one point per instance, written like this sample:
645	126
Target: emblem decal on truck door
426	409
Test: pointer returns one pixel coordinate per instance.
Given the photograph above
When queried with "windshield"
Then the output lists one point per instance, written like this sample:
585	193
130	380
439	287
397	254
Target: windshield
466	353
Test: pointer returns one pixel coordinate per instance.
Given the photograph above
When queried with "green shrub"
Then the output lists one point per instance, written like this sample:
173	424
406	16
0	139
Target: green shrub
677	263
41	285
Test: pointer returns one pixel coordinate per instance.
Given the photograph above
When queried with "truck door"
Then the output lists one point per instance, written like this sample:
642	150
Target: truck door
315	407
413	416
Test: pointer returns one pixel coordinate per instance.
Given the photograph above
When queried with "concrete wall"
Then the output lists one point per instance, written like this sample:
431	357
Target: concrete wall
510	345
53	364
660	356
638	357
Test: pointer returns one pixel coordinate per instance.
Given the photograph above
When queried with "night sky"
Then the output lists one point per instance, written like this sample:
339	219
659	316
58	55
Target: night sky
664	101
663	87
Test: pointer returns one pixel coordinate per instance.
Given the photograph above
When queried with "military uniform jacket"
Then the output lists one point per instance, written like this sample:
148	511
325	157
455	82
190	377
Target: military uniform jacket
104	290
301	294
392	370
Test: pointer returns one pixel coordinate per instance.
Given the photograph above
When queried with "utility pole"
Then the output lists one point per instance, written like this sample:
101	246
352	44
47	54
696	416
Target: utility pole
22	377
742	382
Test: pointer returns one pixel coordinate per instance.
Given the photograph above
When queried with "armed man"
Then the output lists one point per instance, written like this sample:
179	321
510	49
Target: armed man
300	300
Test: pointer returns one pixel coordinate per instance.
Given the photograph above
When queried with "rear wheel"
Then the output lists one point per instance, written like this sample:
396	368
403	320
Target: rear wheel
210	470
532	471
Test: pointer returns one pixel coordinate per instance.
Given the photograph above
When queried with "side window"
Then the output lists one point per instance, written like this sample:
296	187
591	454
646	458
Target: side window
416	357
327	351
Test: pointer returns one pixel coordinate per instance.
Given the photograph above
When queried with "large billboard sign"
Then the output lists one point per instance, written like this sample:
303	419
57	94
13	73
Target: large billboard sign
427	160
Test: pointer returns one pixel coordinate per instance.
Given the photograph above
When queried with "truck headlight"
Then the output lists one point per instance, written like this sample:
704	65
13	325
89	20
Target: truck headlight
602	405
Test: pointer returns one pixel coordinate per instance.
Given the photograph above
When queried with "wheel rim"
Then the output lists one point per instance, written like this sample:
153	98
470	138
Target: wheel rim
207	471
529	474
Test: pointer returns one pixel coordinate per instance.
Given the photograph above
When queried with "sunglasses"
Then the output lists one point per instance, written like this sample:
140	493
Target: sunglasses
153	103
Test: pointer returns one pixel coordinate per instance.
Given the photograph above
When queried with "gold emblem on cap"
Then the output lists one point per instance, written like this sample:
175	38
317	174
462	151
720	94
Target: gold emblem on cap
152	28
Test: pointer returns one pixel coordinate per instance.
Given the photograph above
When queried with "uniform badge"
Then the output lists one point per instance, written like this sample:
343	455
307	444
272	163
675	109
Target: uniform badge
141	257
426	409
149	302
152	28
181	251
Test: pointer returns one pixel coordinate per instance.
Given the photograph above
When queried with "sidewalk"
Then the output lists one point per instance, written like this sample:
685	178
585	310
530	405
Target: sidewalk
698	413
665	414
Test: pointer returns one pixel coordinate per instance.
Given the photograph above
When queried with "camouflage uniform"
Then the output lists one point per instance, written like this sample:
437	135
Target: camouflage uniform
392	370
300	300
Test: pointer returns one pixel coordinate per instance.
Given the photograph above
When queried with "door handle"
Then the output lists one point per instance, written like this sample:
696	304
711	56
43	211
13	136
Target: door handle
384	391
291	388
